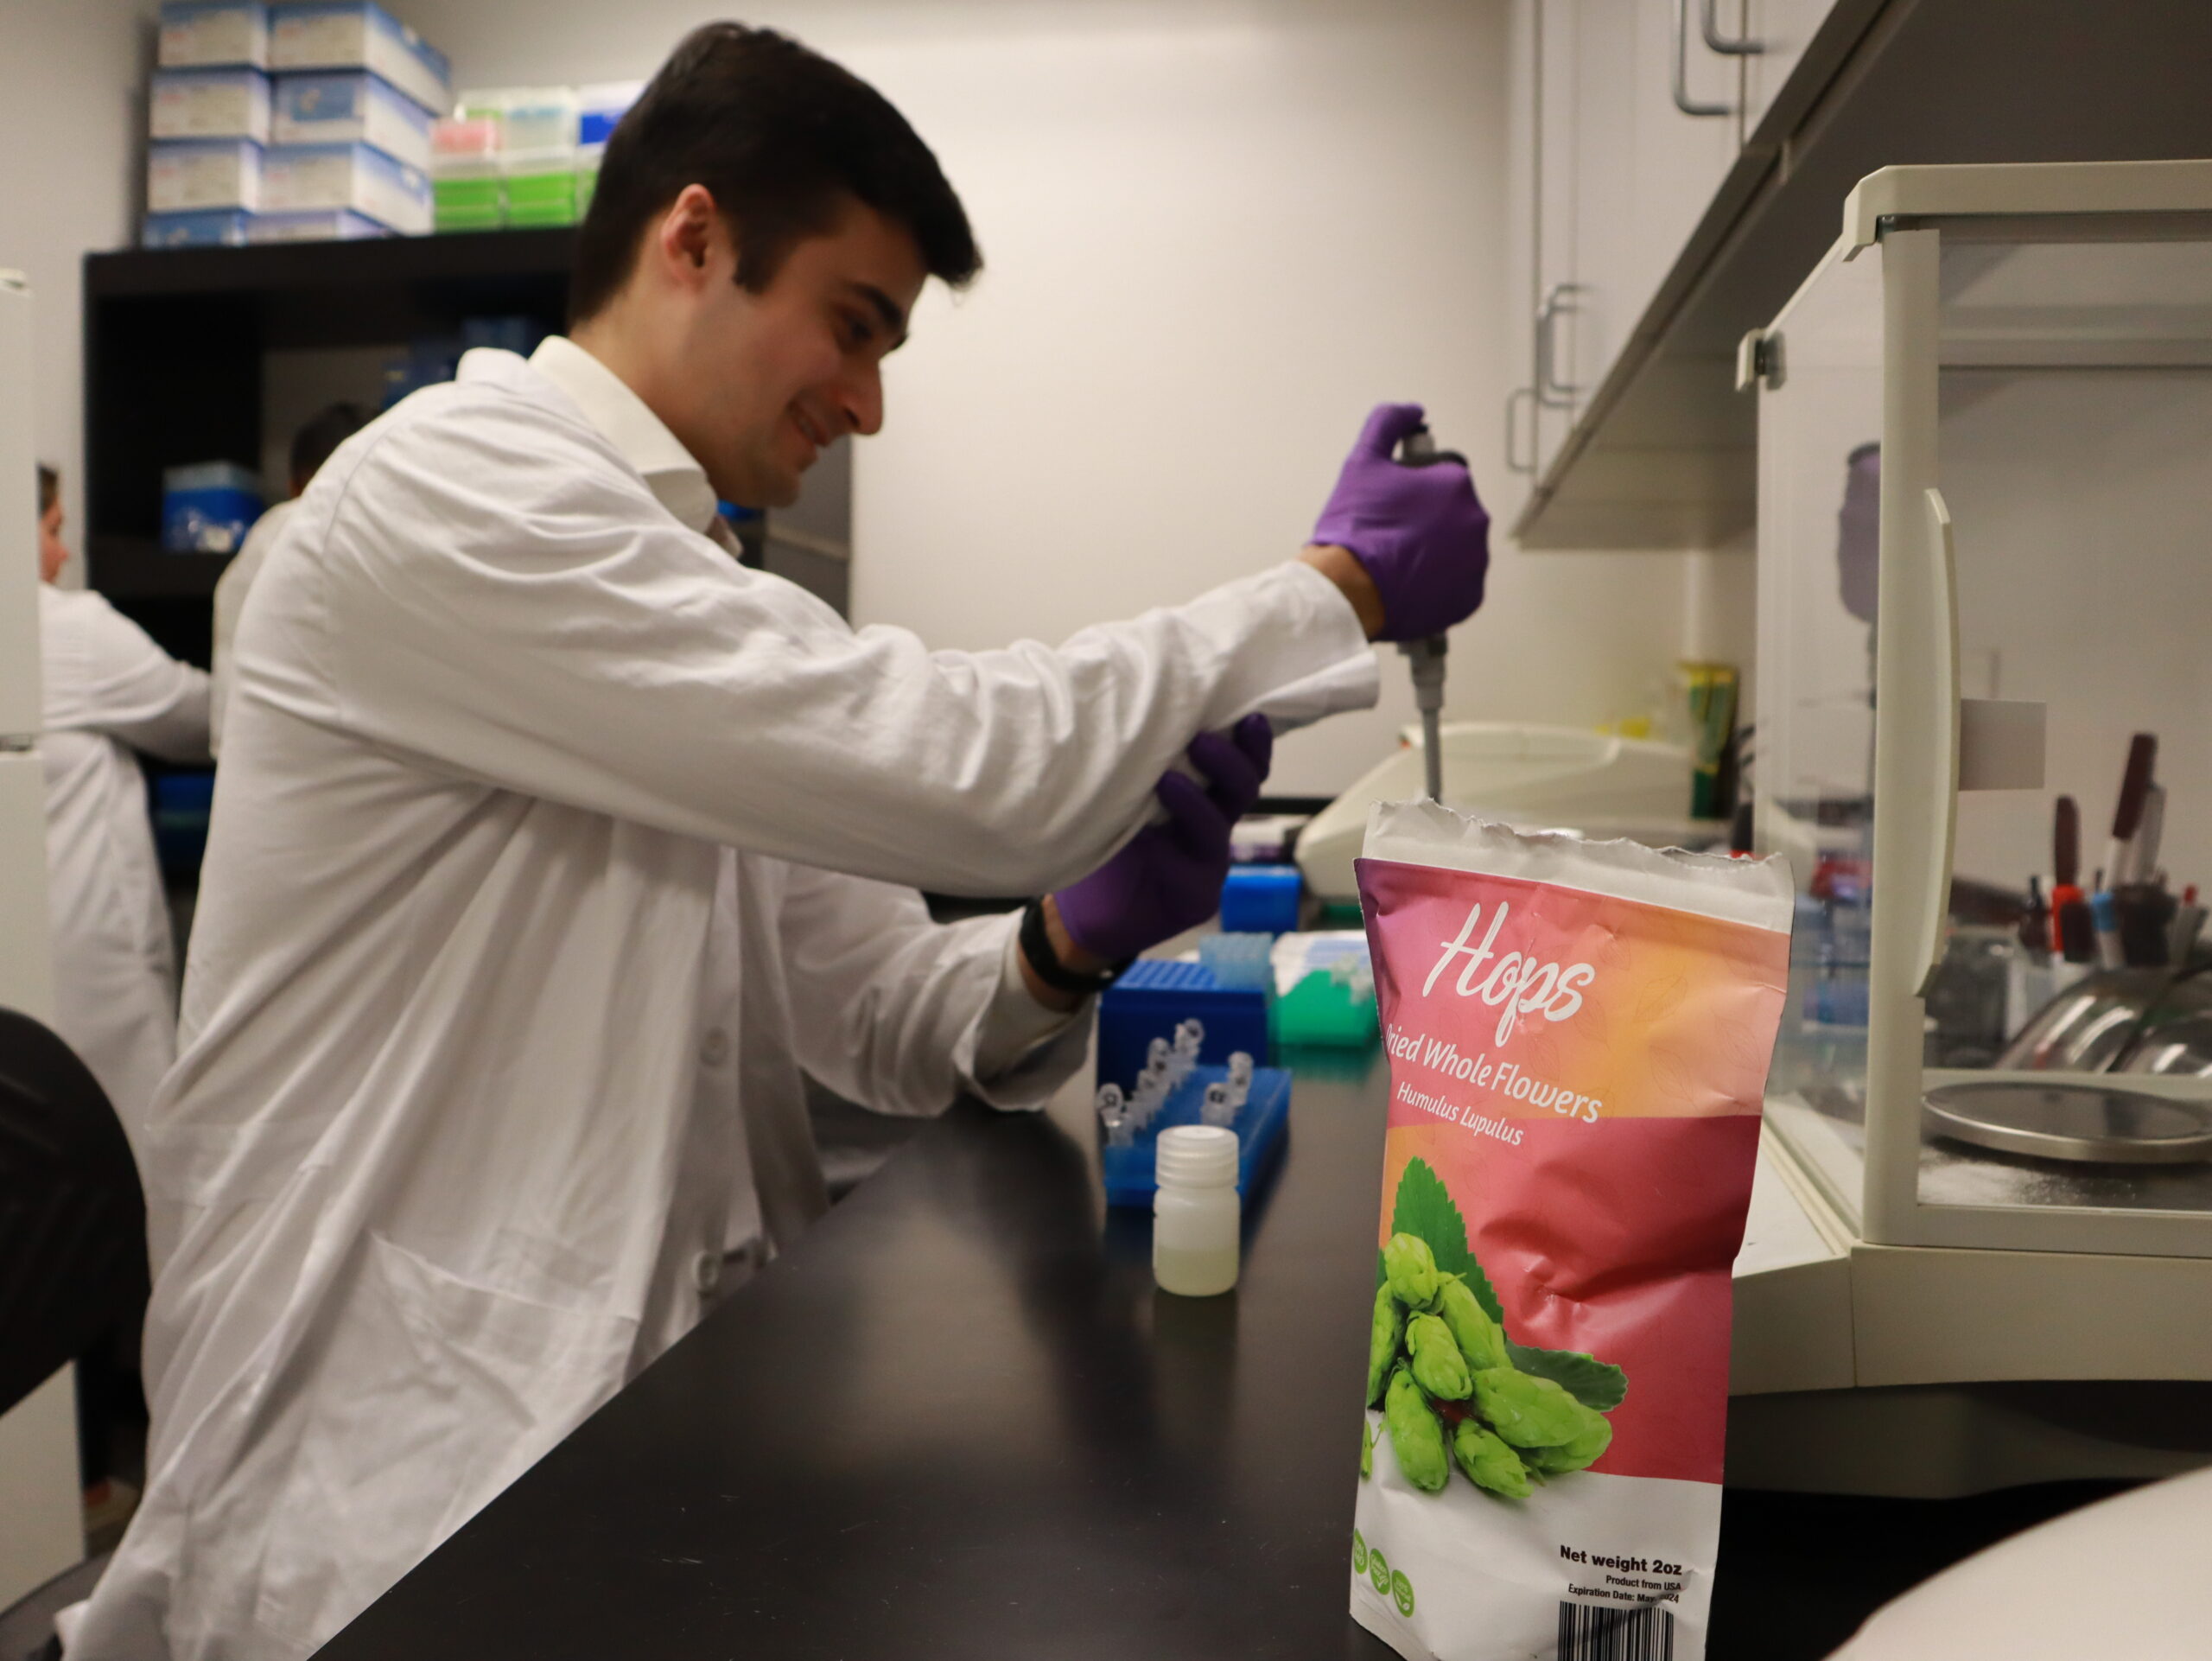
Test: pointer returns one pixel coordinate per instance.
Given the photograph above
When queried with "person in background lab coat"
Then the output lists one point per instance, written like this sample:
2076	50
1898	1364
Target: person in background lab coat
551	847
109	692
311	447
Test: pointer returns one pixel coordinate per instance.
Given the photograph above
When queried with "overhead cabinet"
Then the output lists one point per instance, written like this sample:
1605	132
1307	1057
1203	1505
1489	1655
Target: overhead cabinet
1774	40
1637	123
1680	165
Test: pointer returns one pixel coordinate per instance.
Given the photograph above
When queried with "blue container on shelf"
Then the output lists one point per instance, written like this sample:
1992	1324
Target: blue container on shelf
206	34
1261	900
207	508
1156	993
213	227
359	35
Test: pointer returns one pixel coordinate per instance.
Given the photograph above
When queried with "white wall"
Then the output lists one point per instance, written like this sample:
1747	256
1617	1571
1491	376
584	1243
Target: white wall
1217	230
73	75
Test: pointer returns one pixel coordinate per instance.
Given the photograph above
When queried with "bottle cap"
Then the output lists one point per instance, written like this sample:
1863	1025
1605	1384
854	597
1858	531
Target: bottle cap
1197	1156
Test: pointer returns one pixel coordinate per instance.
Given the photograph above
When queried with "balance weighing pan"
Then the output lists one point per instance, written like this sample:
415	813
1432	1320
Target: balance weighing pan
2097	1124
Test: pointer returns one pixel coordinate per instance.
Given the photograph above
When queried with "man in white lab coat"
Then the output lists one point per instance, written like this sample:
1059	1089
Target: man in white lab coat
110	692
551	846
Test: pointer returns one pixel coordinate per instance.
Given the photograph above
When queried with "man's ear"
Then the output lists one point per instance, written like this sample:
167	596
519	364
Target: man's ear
685	241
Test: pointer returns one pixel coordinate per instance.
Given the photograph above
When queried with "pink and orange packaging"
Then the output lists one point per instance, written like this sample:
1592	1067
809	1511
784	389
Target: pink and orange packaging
1579	1035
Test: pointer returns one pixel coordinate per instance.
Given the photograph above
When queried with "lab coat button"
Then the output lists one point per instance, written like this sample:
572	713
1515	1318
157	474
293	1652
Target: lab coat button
706	1271
715	1050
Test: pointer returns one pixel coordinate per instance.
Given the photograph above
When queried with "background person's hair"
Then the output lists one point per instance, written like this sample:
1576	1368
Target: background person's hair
323	432
49	489
780	137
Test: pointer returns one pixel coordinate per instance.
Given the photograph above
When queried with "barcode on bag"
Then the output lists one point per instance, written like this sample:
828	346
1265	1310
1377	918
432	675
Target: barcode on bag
1593	1632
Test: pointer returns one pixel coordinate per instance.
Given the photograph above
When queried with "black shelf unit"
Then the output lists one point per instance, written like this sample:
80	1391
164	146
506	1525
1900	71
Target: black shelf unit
175	339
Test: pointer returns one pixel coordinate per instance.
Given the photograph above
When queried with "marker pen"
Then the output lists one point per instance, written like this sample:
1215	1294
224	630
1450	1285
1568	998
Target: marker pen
2104	913
2035	921
2143	866
2066	895
2127	816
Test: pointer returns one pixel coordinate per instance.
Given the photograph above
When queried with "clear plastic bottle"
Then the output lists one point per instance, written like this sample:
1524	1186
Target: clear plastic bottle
1195	1213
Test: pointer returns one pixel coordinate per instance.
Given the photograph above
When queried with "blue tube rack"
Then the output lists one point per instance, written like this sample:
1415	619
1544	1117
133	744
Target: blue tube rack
1259	1125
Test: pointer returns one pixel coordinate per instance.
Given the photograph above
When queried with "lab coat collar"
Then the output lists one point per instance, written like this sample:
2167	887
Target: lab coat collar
627	422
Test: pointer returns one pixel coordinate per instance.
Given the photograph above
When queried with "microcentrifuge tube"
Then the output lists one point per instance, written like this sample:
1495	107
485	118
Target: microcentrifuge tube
1149	1090
1218	1109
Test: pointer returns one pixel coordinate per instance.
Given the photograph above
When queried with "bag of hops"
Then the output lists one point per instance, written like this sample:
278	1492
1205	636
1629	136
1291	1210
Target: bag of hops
1578	1036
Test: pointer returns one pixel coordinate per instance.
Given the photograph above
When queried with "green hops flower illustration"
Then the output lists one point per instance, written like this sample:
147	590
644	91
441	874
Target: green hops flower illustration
1455	1390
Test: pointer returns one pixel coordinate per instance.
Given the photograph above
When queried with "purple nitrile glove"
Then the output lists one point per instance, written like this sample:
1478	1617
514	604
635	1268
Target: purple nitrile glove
1167	877
1418	531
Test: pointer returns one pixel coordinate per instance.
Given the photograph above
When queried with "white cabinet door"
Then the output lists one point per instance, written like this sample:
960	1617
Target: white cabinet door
1558	124
1619	177
1781	27
1646	170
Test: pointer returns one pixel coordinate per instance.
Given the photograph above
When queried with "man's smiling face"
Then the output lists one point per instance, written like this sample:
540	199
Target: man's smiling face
771	380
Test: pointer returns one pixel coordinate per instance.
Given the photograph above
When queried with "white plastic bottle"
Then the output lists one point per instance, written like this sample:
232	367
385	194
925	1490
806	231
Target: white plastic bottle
1195	1213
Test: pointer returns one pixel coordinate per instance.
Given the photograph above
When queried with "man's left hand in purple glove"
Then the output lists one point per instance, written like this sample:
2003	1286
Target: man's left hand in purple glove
1168	878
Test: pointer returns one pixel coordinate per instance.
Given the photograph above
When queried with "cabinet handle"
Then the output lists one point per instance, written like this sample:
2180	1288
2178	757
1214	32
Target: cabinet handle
1552	392
1740	46
1683	101
1513	402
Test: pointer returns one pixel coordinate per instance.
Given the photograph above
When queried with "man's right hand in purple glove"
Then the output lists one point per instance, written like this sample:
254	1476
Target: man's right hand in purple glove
1168	876
1418	533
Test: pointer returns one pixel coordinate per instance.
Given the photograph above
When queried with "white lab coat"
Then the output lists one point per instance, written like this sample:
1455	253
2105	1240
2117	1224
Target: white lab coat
550	846
231	590
109	690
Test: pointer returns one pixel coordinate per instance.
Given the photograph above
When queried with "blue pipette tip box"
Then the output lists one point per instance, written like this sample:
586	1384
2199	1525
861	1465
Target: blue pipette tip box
1261	900
1260	1126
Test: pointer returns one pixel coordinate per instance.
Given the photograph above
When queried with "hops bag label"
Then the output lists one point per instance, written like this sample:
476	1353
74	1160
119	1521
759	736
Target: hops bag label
1578	1036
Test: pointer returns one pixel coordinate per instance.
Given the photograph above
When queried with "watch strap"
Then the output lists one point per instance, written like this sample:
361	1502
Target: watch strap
1036	945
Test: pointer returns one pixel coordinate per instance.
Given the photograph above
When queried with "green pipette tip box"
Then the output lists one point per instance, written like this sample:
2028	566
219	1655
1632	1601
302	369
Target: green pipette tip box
1322	1008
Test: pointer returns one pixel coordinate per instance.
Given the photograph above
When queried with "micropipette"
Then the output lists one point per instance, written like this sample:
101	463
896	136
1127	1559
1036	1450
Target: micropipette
1426	657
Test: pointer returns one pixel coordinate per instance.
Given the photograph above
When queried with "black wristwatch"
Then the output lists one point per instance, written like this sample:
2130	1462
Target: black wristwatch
1037	946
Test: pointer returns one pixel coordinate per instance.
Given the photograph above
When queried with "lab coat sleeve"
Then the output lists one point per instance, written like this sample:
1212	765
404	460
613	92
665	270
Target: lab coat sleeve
109	677
503	600
1015	1023
229	600
891	1009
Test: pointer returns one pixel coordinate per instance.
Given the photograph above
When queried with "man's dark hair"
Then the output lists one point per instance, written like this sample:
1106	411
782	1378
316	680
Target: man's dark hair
49	489
780	136
325	430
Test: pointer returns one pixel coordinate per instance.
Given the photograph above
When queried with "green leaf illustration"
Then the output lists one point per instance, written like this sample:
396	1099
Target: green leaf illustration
1424	1208
1594	1383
